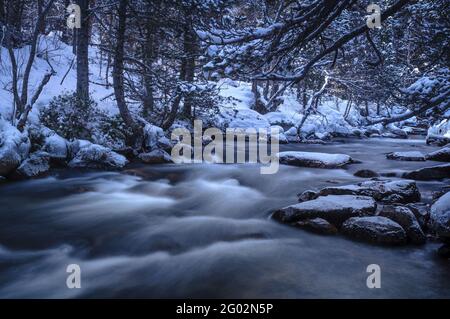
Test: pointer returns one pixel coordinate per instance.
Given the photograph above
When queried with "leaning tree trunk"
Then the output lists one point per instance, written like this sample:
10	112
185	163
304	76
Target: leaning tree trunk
82	50
118	80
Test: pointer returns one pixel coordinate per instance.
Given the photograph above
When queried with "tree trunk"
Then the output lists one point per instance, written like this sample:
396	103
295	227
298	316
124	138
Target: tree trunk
82	49
189	51
118	80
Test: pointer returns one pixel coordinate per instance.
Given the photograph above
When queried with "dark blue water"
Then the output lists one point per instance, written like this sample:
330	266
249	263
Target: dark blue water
201	231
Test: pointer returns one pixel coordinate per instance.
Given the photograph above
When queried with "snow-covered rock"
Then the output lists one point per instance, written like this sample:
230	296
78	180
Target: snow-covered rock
375	229
310	159
155	138
14	147
429	173
334	209
442	155
405	218
401	191
55	145
156	157
317	225
439	134
89	155
37	164
440	216
406	156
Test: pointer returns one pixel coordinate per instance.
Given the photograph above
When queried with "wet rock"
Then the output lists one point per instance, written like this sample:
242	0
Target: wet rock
442	155
422	213
440	217
375	229
156	157
89	155
430	173
334	209
406	156
37	164
316	160
402	191
444	251
307	195
317	225
405	218
366	173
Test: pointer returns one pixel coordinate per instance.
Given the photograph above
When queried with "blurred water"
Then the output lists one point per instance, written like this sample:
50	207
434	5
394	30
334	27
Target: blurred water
201	231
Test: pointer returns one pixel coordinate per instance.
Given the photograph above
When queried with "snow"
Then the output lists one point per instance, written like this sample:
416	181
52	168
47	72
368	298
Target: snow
312	159
14	147
335	209
442	129
406	156
89	155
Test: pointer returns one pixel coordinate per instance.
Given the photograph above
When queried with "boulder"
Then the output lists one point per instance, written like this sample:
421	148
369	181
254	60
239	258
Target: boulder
334	209
405	218
89	155
37	164
156	157
317	160
442	155
375	229
422	213
406	156
366	173
401	191
440	217
429	173
14	147
317	225
155	138
307	195
439	134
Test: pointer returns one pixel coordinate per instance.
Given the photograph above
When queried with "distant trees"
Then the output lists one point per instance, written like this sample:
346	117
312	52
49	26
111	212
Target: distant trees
162	57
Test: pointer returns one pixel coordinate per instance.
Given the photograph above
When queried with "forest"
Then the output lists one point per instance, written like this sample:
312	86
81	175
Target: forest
96	97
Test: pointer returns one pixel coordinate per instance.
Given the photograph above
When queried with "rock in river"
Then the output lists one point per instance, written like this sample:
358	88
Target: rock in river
317	225
375	229
156	157
430	173
317	160
334	209
405	218
440	217
366	173
406	156
401	191
442	155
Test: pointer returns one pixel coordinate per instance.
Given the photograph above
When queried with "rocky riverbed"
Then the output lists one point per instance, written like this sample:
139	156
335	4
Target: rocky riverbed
205	230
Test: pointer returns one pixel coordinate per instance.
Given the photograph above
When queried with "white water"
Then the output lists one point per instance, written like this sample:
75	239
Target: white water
201	231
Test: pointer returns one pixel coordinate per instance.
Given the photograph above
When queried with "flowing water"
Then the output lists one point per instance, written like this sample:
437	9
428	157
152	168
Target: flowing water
202	231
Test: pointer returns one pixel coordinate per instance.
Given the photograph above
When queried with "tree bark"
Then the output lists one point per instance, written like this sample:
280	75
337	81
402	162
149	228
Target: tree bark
118	80
82	51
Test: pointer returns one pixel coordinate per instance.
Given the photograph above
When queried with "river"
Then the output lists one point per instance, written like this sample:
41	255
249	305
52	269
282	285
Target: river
202	230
